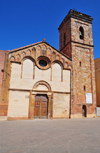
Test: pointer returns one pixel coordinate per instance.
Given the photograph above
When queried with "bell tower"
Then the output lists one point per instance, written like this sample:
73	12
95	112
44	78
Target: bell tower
75	36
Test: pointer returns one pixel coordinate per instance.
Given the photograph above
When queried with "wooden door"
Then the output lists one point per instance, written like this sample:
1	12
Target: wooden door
41	106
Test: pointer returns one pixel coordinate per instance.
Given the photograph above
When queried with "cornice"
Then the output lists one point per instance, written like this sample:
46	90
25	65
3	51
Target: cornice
71	41
76	15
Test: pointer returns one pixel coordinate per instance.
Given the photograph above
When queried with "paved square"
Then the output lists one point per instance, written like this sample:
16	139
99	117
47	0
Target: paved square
50	136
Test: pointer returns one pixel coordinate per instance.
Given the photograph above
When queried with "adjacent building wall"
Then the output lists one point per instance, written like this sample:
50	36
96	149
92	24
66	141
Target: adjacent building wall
3	85
97	79
2	62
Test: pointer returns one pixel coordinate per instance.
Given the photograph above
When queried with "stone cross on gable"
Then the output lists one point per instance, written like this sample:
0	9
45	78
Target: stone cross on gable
74	9
44	39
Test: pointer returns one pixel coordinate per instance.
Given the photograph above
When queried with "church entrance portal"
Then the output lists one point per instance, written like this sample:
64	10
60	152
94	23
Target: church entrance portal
41	106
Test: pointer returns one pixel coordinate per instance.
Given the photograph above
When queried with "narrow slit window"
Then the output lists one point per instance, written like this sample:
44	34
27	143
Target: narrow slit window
84	88
81	33
80	64
64	39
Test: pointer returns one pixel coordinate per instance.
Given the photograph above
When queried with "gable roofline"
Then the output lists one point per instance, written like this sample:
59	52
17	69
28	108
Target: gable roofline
24	47
15	50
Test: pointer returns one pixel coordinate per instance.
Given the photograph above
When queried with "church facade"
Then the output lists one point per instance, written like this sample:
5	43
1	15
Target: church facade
38	81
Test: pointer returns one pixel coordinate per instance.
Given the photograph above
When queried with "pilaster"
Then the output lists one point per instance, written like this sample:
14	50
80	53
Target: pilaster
31	105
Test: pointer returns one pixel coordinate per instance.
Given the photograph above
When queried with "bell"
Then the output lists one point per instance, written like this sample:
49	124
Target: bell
80	33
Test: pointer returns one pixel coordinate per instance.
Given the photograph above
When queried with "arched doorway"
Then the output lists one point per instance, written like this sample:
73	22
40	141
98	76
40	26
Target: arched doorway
41	106
84	110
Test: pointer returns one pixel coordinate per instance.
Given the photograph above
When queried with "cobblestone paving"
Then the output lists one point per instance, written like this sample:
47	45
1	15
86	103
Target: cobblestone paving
50	136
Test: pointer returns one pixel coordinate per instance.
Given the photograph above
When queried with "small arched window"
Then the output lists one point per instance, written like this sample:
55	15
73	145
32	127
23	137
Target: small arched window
81	33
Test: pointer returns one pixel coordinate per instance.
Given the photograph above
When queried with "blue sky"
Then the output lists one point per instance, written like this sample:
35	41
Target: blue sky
23	22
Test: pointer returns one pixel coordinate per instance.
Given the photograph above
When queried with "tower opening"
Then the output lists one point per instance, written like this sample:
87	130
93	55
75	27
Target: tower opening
81	33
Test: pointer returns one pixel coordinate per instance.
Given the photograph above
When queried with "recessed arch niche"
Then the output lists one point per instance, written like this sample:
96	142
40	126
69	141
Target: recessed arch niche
57	68
28	65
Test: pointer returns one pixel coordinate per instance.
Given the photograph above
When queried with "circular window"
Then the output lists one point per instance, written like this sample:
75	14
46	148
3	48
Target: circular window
42	63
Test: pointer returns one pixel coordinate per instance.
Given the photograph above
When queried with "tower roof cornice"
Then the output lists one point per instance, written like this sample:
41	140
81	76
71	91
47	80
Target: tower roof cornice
76	15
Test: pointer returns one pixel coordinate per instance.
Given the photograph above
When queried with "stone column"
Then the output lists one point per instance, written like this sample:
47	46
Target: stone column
31	106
